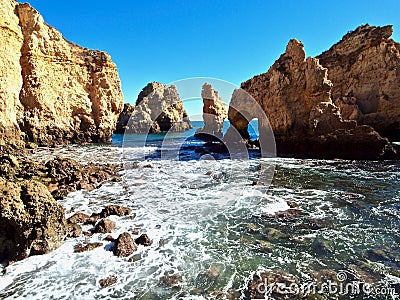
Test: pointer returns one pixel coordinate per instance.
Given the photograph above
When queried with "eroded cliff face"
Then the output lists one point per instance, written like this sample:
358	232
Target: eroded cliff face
54	91
295	96
158	109
10	74
364	68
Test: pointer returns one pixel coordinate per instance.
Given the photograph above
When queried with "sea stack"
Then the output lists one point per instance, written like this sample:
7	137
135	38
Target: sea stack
214	114
52	91
158	109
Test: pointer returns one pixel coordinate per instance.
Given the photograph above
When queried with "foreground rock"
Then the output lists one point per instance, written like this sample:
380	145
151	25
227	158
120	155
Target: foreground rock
124	245
104	226
31	221
106	282
214	114
295	96
52	91
364	70
158	109
86	247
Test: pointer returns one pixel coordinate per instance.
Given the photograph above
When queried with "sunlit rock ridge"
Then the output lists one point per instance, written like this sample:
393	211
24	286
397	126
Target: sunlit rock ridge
52	91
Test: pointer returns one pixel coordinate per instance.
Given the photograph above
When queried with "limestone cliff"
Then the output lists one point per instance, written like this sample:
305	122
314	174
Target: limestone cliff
10	74
295	95
53	91
364	68
158	109
214	114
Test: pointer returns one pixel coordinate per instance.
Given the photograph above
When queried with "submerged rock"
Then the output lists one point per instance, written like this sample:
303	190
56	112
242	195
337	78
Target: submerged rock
124	245
87	247
274	284
31	221
158	109
214	114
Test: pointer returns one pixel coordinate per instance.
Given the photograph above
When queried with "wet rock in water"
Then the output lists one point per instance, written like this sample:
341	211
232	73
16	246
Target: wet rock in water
124	245
285	216
292	204
214	271
92	219
273	234
87	247
273	284
109	238
264	246
79	217
70	176
171	279
379	255
143	240
361	271
324	275
322	247
73	230
31	221
115	210
230	294
104	226
106	282
135	258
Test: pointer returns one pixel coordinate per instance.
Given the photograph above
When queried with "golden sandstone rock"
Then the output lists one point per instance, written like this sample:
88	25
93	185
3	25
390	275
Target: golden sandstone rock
214	114
324	107
52	91
364	68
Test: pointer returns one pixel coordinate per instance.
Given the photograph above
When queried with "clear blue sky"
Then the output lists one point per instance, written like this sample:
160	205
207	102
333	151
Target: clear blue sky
232	40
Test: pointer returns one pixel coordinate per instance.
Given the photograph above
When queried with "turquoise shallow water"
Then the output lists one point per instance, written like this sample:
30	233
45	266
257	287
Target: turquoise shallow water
214	224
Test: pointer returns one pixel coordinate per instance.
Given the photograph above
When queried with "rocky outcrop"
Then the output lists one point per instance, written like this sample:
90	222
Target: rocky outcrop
124	245
160	110
214	114
364	69
295	96
31	221
10	76
52	91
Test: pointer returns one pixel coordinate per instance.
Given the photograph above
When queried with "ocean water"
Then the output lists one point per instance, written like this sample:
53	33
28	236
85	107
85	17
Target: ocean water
214	224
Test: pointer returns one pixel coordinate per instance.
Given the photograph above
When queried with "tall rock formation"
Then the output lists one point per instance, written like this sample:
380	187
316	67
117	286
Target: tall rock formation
31	221
11	39
295	96
158	109
364	68
214	114
53	91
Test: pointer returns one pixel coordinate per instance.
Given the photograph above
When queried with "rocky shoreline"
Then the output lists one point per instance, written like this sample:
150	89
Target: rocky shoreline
341	104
